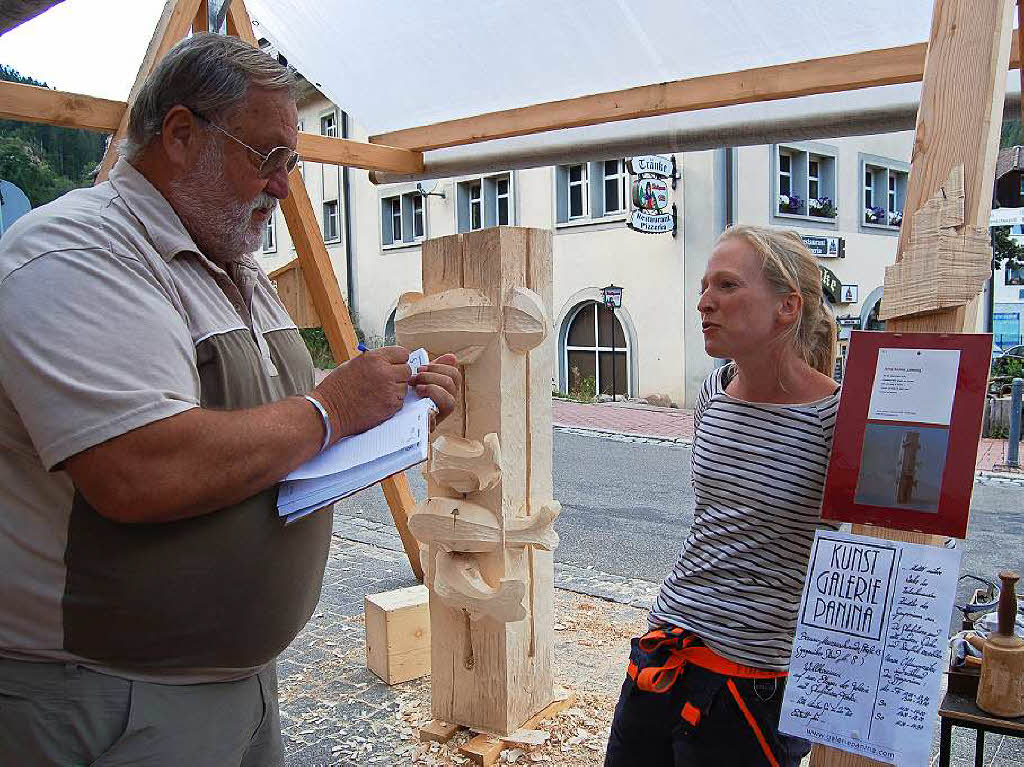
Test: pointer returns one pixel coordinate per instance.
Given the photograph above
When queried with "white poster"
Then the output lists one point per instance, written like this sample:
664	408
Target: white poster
914	385
868	657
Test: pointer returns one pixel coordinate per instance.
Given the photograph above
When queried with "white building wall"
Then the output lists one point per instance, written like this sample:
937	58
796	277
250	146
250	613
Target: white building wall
660	274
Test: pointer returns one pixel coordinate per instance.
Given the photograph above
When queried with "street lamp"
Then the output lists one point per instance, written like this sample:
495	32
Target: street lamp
611	296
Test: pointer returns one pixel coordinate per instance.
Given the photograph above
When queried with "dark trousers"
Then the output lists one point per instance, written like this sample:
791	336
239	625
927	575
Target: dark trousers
649	728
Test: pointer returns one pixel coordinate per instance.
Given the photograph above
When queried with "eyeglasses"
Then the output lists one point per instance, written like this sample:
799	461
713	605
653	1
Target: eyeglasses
277	158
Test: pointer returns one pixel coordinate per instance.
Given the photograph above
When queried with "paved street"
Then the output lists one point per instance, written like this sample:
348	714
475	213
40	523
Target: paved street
627	506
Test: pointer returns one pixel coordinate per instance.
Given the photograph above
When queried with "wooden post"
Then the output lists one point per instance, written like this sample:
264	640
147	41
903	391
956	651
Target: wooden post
327	299
958	124
201	23
487	524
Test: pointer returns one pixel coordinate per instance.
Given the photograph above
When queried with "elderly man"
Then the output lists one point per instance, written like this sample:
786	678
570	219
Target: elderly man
152	392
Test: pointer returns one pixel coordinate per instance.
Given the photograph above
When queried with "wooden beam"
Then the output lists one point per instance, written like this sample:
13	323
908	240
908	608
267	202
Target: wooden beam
73	110
357	154
174	23
957	124
887	66
70	110
201	23
323	287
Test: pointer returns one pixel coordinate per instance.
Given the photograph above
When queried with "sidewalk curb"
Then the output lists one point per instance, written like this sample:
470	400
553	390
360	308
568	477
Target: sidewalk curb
999	478
623	436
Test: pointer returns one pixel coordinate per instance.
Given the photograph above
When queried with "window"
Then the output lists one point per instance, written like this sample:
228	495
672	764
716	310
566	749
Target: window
501	189
596	355
403	219
805	182
417	217
330	220
785	173
476	207
329	125
885	191
270	235
577	191
484	202
614	186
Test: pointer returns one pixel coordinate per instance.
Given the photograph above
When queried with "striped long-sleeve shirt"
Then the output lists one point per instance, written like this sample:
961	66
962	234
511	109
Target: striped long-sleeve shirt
758	475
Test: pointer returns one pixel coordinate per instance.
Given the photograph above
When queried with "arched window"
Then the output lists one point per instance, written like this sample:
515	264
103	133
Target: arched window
596	351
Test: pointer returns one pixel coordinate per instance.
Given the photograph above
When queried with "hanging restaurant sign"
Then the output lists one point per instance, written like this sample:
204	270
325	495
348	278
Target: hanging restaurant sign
830	285
825	247
651	212
651	165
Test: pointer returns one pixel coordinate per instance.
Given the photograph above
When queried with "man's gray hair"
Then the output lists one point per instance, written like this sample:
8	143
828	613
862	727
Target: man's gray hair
208	73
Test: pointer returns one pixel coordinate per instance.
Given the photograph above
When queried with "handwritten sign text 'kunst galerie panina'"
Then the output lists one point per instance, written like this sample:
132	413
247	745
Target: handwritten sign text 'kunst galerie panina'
867	659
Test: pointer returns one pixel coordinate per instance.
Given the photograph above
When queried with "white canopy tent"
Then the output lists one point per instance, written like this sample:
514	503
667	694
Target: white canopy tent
408	64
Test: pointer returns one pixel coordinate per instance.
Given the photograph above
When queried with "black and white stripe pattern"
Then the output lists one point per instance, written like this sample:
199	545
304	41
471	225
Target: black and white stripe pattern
758	475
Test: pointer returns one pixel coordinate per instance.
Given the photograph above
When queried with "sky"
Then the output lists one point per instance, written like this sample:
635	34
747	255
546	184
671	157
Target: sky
93	47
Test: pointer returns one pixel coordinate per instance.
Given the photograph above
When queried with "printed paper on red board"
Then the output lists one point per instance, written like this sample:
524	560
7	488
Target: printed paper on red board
906	438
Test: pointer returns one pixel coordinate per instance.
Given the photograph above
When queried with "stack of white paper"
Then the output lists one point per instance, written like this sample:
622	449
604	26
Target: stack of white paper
357	462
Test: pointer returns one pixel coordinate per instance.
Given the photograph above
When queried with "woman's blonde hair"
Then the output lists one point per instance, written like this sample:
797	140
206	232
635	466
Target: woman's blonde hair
790	267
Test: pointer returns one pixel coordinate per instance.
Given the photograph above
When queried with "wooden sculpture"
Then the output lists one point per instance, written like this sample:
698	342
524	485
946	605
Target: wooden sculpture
486	529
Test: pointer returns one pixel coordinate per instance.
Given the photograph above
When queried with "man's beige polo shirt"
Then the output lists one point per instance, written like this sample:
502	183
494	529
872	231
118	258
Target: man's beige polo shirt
111	319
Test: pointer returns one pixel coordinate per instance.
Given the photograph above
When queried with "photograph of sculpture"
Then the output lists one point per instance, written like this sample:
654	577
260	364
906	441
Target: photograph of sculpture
901	466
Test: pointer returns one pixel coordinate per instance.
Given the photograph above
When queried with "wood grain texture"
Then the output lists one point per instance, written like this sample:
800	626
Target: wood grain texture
490	674
358	154
398	634
201	22
171	28
887	66
957	124
30	103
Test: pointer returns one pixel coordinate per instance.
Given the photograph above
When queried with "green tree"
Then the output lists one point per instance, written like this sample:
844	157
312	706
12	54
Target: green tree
46	160
1011	134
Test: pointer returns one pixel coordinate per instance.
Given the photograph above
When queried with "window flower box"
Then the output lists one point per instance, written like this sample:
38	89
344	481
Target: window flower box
790	204
875	215
896	218
822	207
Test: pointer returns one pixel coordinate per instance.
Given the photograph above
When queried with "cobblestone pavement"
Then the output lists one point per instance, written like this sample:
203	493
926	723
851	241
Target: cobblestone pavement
663	424
335	712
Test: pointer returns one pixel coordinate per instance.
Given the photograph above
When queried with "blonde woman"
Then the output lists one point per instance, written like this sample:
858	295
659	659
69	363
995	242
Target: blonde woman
704	686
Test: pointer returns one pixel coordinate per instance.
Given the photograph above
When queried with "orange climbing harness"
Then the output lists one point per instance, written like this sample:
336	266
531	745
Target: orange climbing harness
683	647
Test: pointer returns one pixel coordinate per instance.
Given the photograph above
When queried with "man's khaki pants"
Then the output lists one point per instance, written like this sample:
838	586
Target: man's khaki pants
68	716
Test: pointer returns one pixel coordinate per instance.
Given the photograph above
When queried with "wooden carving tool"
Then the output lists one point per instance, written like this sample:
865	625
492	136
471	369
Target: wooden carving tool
1001	687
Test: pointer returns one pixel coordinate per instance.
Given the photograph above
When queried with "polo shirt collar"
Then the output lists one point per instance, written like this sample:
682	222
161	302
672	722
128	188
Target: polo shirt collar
161	222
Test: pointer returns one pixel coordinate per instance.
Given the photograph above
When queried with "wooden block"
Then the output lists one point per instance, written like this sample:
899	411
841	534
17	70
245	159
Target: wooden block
438	731
398	634
486	749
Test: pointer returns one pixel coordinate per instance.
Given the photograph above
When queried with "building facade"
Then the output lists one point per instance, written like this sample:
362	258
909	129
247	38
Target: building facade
844	195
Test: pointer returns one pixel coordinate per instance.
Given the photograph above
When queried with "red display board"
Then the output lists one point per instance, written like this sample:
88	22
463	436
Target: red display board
906	438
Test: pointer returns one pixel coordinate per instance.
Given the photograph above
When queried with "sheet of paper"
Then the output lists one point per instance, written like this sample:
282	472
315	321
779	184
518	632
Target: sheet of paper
868	657
393	434
914	385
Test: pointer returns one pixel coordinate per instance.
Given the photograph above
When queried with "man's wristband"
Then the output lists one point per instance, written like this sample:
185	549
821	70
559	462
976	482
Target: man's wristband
326	419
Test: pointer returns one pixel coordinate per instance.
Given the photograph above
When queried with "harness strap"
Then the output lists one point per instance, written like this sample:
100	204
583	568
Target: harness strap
753	724
661	678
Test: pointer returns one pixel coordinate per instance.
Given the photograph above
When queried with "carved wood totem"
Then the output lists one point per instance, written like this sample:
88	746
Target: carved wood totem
485	531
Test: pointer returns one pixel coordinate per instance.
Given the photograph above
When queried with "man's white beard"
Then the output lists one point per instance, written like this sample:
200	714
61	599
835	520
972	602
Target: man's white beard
221	225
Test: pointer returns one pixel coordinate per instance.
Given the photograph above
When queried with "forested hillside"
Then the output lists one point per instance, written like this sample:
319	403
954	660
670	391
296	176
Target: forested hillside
44	160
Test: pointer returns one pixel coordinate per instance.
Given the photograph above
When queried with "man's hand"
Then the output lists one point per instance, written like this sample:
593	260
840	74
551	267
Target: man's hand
366	390
441	381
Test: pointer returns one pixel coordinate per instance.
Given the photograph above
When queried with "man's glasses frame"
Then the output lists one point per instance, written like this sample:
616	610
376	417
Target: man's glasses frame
277	158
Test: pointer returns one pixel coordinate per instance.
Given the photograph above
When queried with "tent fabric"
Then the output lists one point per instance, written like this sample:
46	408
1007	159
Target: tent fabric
401	64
